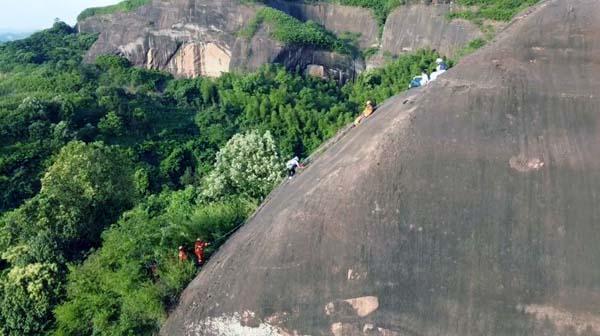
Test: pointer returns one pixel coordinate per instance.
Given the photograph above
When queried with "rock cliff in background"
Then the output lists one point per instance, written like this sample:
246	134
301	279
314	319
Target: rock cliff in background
186	37
467	207
413	27
336	18
192	38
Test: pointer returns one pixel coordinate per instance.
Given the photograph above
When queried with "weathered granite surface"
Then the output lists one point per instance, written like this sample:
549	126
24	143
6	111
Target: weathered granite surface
413	27
336	18
192	38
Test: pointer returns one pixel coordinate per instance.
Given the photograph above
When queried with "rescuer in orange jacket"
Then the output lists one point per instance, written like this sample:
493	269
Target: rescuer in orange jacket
199	247
182	254
369	108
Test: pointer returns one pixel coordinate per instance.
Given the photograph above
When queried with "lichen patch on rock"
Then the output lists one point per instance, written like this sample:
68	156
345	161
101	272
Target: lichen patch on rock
564	319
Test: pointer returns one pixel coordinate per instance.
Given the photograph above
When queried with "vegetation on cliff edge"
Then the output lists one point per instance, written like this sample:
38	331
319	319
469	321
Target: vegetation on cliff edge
497	10
289	30
123	6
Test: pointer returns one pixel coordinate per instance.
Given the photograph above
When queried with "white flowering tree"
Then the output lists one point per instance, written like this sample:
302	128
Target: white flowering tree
247	165
27	296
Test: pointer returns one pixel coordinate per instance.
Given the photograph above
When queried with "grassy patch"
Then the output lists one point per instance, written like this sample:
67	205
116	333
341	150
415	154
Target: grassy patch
469	48
290	30
369	52
498	10
124	6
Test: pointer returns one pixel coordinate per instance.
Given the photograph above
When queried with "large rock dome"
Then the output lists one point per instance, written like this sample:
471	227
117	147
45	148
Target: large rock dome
468	207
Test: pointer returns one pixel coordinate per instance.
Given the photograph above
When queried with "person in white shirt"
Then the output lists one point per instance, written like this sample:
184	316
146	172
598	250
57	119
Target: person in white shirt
292	165
440	69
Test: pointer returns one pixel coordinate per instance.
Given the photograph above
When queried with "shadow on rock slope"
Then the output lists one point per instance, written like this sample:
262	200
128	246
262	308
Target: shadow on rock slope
470	207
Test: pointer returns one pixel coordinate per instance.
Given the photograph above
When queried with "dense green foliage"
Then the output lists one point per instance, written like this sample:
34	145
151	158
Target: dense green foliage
105	169
290	30
28	294
499	10
85	190
123	6
247	165
470	48
380	84
124	288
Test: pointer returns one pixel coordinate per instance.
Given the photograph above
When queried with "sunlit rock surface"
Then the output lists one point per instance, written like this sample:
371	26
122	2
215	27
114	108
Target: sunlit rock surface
191	38
414	27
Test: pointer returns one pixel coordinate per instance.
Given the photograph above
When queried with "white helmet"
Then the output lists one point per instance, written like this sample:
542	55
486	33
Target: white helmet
439	60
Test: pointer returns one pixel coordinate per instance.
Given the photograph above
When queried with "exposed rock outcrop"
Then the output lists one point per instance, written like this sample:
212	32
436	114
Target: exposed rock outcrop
186	37
200	38
413	27
425	208
336	18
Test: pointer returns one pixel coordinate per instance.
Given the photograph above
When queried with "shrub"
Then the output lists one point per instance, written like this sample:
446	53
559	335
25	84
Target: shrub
125	287
288	29
123	6
28	294
248	165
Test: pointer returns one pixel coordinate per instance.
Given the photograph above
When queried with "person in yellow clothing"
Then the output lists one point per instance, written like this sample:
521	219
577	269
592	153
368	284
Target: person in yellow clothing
369	108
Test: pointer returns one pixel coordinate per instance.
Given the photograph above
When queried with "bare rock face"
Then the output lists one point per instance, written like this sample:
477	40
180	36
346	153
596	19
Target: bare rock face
336	18
192	38
413	27
188	38
467	207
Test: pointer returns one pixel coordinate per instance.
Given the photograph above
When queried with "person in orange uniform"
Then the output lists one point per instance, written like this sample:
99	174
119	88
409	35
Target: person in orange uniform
199	247
182	254
369	108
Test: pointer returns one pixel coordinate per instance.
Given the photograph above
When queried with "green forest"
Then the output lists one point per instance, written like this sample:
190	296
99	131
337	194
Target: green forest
105	169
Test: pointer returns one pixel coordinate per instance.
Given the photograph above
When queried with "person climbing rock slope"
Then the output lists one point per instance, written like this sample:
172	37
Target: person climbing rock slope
292	165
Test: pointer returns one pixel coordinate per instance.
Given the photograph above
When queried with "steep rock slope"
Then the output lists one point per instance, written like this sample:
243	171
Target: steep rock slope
469	207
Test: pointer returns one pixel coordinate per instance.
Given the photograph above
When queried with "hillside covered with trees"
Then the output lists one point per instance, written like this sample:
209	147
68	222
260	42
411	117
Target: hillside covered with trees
106	169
